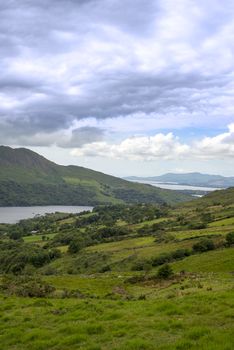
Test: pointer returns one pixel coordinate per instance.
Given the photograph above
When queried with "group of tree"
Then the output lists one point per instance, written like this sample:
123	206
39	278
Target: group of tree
203	245
16	255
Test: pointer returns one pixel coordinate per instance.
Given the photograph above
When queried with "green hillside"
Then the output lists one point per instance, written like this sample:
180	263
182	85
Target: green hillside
220	197
27	178
132	277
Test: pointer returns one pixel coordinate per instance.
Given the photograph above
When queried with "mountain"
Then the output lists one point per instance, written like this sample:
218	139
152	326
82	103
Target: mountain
26	178
193	179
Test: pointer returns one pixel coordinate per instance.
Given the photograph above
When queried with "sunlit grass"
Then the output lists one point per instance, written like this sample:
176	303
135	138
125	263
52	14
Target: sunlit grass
221	260
192	321
38	238
224	222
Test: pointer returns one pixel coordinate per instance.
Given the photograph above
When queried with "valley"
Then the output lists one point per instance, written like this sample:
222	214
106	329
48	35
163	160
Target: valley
139	276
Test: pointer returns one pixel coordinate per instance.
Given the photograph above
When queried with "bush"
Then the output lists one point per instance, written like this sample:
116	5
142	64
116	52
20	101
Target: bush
26	286
162	236
76	245
203	245
165	272
49	271
197	226
230	238
180	253
113	231
168	257
142	265
15	256
105	268
162	259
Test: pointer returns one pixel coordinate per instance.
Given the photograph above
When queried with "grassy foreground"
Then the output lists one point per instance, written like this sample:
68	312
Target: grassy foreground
199	319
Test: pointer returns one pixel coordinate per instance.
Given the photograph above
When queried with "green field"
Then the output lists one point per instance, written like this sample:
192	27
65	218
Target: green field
38	238
134	247
215	261
222	223
108	294
198	320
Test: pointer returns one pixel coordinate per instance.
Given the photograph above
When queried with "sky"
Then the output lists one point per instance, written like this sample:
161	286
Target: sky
125	87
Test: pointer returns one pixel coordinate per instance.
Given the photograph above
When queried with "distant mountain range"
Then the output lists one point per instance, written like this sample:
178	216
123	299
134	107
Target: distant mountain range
192	179
26	178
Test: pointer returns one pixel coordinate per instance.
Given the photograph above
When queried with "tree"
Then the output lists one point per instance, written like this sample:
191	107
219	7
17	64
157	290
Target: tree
165	272
230	238
203	245
15	235
76	245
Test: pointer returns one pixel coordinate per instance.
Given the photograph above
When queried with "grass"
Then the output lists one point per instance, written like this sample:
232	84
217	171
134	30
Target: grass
139	248
195	321
192	310
63	248
148	222
224	222
214	261
119	257
124	244
98	285
212	230
38	238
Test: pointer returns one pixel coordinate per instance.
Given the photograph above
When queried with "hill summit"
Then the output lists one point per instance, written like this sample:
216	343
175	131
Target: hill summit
27	178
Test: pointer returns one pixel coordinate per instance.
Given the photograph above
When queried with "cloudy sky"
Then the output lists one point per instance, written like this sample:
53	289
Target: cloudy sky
126	87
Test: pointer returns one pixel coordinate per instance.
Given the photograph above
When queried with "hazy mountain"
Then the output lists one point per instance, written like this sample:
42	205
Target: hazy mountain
26	178
193	179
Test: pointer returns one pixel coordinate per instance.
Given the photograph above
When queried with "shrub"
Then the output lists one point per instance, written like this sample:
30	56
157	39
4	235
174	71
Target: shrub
197	225
203	245
168	257
165	272
142	265
15	256
113	231
76	245
162	259
105	268
164	237
26	286
49	271
230	238
180	253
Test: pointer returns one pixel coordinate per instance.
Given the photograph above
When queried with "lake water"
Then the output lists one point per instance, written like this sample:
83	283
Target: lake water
176	187
11	215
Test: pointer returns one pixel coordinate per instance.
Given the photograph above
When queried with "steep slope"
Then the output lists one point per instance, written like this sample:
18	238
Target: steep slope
27	178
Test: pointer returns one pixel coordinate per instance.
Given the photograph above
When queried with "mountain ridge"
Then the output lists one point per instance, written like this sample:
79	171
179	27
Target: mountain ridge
193	179
27	178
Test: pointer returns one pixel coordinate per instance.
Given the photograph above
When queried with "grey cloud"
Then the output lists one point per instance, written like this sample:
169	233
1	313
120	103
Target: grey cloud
75	138
82	136
63	61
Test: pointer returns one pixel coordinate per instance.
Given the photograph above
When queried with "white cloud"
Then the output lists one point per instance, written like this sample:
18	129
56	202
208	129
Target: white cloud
220	146
164	146
137	148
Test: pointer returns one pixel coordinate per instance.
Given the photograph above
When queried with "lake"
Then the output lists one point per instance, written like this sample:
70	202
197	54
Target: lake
177	187
11	215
